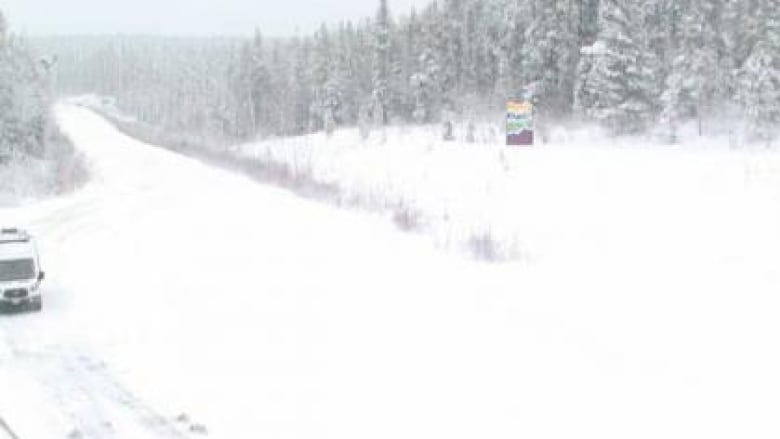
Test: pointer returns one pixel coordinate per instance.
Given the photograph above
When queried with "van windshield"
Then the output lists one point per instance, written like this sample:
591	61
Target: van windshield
19	269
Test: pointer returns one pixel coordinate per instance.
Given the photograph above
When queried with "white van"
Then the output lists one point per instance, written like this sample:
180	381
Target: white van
20	271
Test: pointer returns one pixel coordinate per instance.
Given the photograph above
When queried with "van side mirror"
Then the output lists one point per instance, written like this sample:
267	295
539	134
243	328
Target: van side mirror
41	276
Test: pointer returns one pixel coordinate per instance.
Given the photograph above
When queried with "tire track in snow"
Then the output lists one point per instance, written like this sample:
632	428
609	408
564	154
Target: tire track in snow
97	404
82	389
94	374
5	430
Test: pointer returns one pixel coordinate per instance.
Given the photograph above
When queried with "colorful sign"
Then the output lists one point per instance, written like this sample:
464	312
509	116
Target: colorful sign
519	123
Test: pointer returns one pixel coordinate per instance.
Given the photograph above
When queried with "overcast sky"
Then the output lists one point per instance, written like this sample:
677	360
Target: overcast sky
186	17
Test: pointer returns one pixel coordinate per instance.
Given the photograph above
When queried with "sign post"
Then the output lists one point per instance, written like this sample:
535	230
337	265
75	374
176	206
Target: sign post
519	123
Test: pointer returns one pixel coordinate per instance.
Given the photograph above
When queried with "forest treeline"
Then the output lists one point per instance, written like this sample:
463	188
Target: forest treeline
631	65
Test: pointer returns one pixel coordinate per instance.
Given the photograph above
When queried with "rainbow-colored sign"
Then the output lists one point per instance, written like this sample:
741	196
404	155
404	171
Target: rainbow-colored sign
519	123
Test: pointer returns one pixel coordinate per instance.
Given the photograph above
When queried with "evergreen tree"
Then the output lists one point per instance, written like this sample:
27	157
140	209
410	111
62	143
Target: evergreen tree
450	52
259	85
333	89
348	78
24	99
382	64
692	82
411	34
302	88
741	25
616	87
510	47
238	79
426	83
759	91
550	56
279	89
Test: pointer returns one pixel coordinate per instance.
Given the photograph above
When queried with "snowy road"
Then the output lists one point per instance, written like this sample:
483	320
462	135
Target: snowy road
185	301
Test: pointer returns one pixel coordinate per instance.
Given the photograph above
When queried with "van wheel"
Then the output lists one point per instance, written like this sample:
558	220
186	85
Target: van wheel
37	305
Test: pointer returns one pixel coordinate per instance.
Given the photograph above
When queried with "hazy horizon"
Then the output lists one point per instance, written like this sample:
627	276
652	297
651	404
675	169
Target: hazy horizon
187	17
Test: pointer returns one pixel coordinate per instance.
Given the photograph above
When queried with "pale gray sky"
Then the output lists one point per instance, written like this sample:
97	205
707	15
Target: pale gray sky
187	17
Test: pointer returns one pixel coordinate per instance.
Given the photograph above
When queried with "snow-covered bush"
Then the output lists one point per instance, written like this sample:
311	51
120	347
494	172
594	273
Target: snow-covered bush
59	169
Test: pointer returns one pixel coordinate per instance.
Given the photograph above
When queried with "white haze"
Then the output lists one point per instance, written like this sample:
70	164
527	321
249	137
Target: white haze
188	17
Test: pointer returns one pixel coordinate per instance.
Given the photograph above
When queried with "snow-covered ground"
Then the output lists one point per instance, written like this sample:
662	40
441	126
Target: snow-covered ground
502	203
183	299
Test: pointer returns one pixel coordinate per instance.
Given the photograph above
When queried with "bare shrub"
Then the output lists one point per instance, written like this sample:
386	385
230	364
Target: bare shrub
56	168
486	246
407	218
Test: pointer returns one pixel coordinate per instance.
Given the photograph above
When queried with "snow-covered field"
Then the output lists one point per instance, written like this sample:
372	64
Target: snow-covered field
183	300
501	203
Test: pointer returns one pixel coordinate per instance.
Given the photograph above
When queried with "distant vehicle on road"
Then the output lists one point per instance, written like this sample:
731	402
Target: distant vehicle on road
20	271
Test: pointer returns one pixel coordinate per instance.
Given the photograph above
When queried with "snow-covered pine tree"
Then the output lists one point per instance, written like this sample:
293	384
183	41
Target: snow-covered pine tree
348	76
616	87
426	82
333	89
24	99
759	85
480	55
692	82
238	83
491	52
279	89
450	51
472	47
424	72
302	88
741	26
658	35
259	85
550	56
410	33
382	65
362	73
510	46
